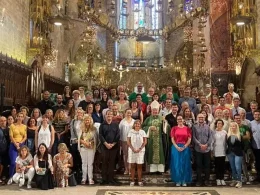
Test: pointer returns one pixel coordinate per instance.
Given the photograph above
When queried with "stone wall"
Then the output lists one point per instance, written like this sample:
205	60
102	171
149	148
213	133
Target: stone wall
15	31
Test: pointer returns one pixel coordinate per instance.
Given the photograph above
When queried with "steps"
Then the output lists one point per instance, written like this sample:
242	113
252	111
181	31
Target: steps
162	180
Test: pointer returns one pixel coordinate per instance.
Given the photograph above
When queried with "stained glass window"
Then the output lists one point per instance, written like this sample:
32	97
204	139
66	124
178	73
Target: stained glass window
123	14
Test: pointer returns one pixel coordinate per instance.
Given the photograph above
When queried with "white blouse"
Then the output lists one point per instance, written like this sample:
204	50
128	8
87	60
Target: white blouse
44	136
137	138
125	127
36	160
219	143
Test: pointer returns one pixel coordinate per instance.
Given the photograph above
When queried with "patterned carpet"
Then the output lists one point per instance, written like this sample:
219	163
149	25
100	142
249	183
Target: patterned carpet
164	192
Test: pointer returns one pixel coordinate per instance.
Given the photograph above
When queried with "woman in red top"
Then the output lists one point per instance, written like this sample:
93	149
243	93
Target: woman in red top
181	172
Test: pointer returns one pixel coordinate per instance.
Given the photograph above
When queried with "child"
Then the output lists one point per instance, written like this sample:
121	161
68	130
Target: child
136	141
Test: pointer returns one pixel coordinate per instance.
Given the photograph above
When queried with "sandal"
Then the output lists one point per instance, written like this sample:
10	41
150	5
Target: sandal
83	182
132	183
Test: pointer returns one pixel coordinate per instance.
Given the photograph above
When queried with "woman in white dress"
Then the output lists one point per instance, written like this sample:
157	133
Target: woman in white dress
125	126
136	141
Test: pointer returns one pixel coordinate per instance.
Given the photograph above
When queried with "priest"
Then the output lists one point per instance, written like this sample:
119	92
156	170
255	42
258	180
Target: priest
139	89
157	130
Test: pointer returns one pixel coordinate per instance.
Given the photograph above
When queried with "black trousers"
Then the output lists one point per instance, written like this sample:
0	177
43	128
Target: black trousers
203	163
220	167
109	162
257	161
77	162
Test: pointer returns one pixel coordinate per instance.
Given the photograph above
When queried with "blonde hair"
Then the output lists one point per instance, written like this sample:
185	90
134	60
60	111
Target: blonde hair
62	147
79	109
91	126
231	132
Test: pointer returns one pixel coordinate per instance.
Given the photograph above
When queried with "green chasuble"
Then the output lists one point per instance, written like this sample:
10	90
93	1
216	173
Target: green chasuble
175	97
132	97
157	143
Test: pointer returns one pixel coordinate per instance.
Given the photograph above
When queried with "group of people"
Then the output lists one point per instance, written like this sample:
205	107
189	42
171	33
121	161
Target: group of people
111	130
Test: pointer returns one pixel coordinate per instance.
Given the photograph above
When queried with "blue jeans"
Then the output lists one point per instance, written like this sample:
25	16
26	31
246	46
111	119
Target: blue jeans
30	144
236	166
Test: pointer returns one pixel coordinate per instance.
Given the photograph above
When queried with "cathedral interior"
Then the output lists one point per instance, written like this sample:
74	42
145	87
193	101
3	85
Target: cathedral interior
48	44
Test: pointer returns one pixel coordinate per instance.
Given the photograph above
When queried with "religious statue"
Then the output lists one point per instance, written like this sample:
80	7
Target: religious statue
157	130
183	74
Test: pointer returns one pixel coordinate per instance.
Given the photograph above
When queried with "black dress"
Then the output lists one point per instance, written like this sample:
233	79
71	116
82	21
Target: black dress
44	182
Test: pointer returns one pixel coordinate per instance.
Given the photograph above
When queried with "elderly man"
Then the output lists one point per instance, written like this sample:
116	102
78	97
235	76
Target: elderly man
158	139
76	99
231	91
139	90
202	139
109	107
150	94
191	101
169	95
253	108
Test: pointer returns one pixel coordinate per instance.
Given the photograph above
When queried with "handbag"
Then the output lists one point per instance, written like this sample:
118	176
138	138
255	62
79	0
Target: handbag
71	180
43	171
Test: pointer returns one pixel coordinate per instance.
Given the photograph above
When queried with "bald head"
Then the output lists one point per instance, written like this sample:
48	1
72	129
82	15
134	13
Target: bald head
2	122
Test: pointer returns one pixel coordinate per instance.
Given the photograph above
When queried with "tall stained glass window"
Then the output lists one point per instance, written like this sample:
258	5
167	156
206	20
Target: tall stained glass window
123	14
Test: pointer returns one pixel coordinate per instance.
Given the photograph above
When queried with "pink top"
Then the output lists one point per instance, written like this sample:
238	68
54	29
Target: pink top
181	134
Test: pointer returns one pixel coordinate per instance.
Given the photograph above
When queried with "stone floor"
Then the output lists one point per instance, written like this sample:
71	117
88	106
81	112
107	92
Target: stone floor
87	190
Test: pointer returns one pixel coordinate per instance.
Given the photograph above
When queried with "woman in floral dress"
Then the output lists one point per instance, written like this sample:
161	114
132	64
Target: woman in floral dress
62	163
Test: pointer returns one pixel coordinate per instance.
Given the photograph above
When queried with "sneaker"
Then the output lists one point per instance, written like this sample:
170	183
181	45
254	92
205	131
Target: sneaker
184	185
219	182
91	182
10	181
29	186
21	182
178	184
132	184
239	184
223	183
233	183
248	183
140	183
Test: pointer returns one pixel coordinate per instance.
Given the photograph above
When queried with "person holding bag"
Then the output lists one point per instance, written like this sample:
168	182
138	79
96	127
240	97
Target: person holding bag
62	163
44	168
24	167
87	144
